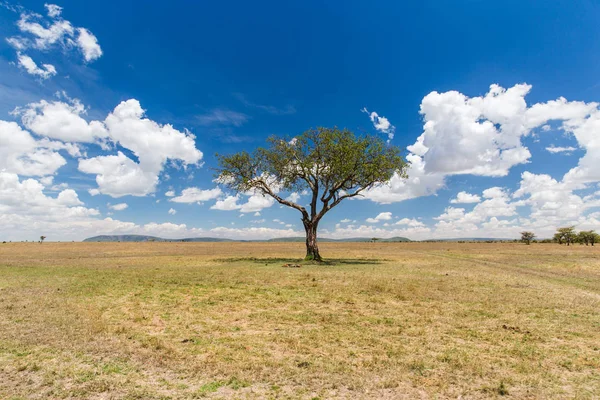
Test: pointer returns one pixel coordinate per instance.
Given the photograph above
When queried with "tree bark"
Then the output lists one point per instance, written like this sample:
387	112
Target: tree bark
312	249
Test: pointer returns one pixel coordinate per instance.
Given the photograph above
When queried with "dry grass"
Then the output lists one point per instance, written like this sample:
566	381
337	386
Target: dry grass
385	320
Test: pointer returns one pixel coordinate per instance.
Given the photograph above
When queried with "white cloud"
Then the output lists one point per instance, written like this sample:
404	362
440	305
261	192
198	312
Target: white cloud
20	153
153	144
554	149
293	197
382	124
53	10
172	211
196	195
229	203
170	193
60	120
119	175
255	203
482	136
44	34
553	203
371	231
411	222
118	207
43	72
255	233
461	134
419	183
456	222
88	44
384	216
25	207
465	198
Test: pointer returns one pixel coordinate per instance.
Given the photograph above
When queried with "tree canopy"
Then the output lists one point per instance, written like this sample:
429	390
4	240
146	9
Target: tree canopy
331	164
527	237
565	235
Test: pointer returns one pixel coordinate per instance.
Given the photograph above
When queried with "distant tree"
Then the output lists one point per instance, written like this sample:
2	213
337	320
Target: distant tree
330	163
566	235
557	238
527	237
42	238
588	237
374	240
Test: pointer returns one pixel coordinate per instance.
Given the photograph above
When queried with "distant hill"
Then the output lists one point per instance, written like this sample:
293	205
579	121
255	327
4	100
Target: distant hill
145	238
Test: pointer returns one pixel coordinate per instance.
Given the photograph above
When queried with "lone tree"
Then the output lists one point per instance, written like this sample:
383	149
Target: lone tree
527	237
565	235
42	238
330	163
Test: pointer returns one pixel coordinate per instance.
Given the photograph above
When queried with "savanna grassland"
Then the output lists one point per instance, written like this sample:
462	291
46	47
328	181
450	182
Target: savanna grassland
225	320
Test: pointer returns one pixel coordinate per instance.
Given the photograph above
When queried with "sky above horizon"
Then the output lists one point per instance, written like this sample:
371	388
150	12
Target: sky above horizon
111	114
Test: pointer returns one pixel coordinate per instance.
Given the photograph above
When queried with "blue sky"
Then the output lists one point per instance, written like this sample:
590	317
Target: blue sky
111	114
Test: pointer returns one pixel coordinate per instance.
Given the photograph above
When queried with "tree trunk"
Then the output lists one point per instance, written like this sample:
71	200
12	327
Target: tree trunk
312	249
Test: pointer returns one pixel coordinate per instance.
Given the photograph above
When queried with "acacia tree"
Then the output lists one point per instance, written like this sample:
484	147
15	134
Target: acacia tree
527	237
566	235
330	163
588	237
42	238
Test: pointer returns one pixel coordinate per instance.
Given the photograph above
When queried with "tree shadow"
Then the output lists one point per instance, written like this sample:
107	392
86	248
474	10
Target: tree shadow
329	261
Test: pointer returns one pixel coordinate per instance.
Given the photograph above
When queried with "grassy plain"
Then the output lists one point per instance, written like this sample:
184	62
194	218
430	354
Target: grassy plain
225	320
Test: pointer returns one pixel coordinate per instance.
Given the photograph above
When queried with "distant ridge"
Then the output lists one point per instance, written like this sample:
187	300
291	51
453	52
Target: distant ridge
145	238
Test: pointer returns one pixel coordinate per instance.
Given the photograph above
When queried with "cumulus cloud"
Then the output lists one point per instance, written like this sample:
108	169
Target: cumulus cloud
44	34
554	203
117	175
61	120
118	207
152	143
371	231
25	207
465	198
482	136
196	195
419	183
172	211
456	222
255	203
411	222
384	216
22	154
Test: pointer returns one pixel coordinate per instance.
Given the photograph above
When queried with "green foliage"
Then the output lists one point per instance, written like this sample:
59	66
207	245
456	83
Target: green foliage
588	237
565	235
326	160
